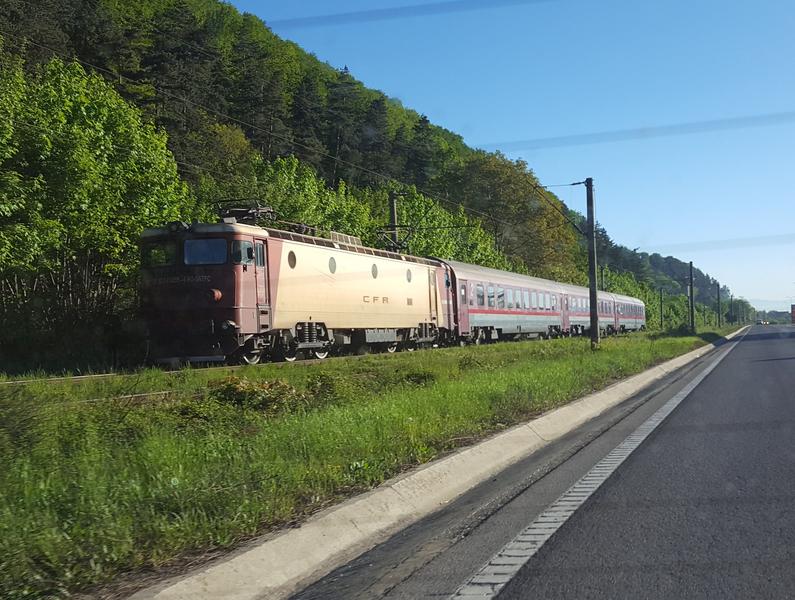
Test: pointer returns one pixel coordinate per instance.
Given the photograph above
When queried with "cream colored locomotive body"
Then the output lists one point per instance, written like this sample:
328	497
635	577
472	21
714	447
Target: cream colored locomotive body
350	290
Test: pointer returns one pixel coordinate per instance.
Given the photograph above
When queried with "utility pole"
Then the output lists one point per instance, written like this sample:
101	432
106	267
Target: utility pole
662	319
717	285
393	230
692	301
731	308
592	265
602	277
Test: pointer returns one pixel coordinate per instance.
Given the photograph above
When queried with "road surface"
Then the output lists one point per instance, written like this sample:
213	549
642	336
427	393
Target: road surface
703	508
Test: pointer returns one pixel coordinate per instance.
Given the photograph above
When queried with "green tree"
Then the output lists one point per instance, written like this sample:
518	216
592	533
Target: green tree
82	175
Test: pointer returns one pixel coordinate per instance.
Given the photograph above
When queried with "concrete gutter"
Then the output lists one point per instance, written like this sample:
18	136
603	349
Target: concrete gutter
282	563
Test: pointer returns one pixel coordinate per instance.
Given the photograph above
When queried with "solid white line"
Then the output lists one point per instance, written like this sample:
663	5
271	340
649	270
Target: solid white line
489	581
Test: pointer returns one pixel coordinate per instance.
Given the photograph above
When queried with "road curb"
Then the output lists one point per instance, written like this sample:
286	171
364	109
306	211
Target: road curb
282	563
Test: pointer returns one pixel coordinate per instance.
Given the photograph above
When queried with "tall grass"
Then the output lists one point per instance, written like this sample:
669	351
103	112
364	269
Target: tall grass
89	489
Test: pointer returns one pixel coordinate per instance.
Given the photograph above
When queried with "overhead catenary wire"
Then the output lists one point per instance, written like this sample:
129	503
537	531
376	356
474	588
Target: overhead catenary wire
543	196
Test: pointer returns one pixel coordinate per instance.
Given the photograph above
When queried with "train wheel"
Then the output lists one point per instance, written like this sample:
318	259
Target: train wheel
251	357
320	354
391	348
286	355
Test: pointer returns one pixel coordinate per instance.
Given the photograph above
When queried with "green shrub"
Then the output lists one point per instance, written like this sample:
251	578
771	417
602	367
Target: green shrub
271	397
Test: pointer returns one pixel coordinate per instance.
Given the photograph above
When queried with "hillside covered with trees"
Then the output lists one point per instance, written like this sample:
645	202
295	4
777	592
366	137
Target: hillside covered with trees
118	115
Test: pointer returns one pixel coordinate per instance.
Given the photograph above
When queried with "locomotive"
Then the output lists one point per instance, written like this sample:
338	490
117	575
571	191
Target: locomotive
237	292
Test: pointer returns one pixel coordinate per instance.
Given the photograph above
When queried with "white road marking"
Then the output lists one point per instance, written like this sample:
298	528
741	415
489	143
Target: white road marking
489	581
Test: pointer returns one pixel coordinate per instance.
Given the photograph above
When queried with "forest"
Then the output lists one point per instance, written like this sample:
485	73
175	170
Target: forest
115	116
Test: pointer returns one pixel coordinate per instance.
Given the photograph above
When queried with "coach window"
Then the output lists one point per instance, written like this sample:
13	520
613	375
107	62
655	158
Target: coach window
547	302
463	293
291	260
491	297
500	297
408	275
534	300
374	271
509	297
526	297
481	295
332	264
554	302
260	252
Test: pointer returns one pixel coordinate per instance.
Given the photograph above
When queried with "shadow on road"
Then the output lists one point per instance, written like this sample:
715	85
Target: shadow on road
769	335
774	359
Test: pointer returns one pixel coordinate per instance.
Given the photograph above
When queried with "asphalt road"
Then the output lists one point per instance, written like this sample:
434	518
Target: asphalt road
704	508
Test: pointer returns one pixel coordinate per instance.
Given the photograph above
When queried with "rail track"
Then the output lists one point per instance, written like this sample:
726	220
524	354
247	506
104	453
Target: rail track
230	368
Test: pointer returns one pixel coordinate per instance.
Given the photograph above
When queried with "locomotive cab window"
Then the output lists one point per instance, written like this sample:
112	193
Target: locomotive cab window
207	251
242	252
159	254
260	252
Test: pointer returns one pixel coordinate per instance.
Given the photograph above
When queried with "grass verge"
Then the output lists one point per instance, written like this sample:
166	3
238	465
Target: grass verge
92	486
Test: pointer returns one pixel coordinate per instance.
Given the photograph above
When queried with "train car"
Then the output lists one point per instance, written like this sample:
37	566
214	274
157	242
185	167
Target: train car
215	292
236	292
630	313
493	304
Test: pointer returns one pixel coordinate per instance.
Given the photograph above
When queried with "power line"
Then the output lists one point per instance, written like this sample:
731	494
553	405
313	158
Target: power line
559	185
644	133
397	12
543	196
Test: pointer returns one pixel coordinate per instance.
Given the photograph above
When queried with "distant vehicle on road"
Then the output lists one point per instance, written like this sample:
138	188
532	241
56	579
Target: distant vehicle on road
236	292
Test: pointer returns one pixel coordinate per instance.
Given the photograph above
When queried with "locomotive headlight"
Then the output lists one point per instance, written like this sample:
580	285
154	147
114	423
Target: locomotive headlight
214	295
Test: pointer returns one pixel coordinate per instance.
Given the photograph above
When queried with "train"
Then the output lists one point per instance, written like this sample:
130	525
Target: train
237	292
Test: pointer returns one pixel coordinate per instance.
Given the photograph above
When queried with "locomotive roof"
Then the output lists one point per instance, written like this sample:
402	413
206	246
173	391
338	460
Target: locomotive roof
210	228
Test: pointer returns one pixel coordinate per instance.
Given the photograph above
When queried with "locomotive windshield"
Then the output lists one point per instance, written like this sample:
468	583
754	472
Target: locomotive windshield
208	251
159	254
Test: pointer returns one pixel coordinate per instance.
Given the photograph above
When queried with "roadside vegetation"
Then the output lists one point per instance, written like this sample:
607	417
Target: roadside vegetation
93	484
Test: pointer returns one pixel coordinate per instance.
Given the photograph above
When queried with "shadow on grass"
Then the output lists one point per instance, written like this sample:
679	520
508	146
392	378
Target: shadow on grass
710	337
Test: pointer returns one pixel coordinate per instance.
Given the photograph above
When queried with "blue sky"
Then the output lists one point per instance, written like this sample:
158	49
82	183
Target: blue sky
526	70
